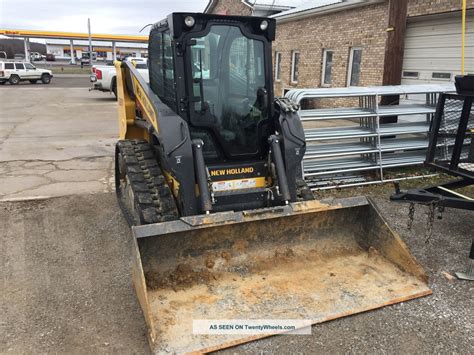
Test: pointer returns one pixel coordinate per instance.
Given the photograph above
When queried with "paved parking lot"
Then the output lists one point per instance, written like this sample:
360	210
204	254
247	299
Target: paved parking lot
66	285
56	139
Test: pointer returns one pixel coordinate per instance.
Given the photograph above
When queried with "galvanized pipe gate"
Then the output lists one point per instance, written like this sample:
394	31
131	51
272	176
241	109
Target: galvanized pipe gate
347	139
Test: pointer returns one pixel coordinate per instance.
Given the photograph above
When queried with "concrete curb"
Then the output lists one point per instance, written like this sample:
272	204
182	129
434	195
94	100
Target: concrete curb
30	198
70	75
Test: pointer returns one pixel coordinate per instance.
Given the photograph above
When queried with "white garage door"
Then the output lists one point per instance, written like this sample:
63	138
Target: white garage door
433	48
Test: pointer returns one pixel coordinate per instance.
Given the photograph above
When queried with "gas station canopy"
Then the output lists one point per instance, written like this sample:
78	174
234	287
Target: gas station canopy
72	35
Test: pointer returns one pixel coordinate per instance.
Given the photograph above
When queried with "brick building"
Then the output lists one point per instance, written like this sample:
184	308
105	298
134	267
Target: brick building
338	43
250	7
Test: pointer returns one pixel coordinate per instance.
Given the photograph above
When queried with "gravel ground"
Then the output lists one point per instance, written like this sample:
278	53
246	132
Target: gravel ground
67	287
66	278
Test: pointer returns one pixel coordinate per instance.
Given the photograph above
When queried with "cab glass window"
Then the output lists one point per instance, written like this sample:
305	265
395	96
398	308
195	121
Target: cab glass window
9	66
19	66
161	66
229	89
168	61
29	66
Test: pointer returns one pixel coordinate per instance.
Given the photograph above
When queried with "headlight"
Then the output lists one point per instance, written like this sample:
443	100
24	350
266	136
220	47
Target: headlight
264	25
189	21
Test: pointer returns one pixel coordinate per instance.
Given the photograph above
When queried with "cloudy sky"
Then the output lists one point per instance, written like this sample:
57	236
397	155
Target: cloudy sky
107	16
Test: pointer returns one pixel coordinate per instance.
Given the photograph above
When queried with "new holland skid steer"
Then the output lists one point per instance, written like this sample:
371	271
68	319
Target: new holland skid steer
208	174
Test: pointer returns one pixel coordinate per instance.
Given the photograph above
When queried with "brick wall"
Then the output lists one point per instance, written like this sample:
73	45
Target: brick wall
231	7
362	27
429	7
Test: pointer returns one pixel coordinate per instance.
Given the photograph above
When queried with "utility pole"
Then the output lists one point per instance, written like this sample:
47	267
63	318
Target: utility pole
26	43
394	48
114	51
90	41
73	56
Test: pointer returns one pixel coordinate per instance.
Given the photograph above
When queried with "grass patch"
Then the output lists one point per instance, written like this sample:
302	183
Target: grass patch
66	69
387	189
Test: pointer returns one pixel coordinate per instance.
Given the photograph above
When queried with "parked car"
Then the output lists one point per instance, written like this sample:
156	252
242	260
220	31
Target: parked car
50	57
14	72
104	77
85	59
36	56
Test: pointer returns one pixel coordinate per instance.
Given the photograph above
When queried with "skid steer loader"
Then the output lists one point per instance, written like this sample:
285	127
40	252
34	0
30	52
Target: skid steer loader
208	174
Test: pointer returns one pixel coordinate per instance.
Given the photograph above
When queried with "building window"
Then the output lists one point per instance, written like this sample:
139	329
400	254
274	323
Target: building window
353	74
441	76
277	66
411	74
295	62
327	67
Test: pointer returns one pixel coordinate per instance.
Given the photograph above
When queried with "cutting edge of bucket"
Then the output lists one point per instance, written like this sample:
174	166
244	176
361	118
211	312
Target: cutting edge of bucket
319	321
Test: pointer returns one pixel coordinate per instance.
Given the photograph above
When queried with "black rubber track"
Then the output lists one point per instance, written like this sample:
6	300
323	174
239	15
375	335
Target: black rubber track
152	198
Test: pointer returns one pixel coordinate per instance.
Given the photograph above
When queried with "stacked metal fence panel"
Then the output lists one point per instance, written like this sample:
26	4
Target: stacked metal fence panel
349	146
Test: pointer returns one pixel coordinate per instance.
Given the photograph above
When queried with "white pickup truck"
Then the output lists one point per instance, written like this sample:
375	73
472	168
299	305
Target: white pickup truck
104	77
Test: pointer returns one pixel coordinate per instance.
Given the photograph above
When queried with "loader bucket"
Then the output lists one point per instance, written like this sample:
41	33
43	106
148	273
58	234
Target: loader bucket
315	260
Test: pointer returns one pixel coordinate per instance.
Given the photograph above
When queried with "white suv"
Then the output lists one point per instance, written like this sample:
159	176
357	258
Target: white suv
14	72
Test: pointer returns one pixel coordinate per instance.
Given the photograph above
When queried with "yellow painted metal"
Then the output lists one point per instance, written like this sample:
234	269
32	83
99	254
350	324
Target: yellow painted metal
126	110
145	104
172	183
71	35
463	35
126	106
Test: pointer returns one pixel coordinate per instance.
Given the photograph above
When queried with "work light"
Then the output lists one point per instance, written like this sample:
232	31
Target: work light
189	21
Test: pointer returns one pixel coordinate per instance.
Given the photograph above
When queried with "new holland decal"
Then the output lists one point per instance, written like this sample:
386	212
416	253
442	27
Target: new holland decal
232	171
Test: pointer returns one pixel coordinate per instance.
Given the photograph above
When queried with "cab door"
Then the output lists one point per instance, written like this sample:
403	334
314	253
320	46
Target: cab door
31	72
20	70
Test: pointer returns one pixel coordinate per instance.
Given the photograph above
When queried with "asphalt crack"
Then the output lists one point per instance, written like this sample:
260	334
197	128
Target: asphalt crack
27	178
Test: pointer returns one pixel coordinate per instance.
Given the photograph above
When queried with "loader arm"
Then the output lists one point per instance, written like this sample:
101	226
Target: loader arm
141	113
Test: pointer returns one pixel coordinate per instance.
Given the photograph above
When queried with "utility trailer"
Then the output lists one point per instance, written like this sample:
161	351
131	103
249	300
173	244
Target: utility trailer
451	151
